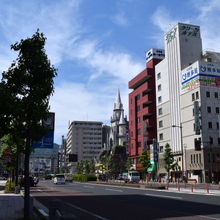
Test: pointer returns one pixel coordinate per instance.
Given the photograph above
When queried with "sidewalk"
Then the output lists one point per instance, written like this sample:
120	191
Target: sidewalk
11	204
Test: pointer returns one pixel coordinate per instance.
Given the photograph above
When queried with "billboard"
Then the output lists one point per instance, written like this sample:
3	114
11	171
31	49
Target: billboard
200	74
47	140
38	165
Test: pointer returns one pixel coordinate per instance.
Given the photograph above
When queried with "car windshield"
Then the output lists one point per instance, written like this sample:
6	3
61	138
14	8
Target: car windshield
60	176
135	174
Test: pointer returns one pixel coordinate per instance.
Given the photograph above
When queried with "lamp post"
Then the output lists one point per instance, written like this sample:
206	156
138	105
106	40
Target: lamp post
182	151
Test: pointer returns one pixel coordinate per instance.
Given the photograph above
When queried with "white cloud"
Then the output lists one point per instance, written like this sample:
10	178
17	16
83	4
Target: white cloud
207	16
120	19
209	19
61	24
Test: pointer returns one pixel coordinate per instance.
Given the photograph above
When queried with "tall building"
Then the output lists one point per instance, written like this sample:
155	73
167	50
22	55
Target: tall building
142	107
188	105
119	125
84	139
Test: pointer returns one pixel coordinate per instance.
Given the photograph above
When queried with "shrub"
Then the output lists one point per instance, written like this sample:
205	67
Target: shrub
9	186
84	177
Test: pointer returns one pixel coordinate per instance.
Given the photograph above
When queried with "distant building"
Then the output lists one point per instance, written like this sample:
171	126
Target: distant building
44	160
142	108
84	139
119	125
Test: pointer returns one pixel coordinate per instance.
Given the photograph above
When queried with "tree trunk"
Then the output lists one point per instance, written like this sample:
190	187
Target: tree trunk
27	180
16	169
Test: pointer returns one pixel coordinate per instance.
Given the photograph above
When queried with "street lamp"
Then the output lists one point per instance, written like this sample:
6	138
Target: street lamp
182	152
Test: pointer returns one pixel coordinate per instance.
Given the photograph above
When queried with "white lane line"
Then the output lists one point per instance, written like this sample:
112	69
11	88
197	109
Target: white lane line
163	196
116	190
43	212
205	216
87	212
88	186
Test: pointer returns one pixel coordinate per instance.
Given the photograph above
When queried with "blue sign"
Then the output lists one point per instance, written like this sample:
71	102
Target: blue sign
47	140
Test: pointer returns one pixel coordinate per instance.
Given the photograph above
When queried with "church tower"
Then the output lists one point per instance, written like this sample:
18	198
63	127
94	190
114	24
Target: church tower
119	124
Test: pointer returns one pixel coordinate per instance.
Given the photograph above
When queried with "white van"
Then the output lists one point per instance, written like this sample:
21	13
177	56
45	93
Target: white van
131	177
59	179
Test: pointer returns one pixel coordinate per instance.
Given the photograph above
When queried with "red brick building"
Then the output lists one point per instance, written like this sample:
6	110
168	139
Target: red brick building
142	107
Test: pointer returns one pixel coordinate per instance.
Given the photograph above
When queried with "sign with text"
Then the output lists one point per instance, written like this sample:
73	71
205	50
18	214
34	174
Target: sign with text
47	140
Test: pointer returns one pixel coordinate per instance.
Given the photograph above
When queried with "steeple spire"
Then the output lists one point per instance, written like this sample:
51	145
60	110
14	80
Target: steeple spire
122	119
118	103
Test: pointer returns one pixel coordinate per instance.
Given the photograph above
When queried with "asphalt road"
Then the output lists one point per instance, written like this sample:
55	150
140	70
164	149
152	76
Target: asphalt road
92	201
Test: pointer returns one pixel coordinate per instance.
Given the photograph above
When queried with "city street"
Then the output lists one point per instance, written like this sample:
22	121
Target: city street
92	201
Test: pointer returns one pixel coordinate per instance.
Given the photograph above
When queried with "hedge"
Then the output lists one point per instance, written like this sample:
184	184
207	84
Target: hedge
84	177
9	186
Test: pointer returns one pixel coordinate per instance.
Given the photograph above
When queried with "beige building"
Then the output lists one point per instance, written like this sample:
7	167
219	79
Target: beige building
84	139
188	92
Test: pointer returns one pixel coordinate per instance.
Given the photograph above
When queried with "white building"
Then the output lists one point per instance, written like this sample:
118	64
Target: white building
188	104
84	139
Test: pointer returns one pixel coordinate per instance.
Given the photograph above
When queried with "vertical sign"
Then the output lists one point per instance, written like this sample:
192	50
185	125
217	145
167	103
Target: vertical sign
47	140
196	117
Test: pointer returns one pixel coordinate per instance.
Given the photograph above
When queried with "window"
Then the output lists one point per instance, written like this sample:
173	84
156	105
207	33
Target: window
159	99
193	111
217	125
160	124
159	87
158	75
216	95
160	111
197	95
218	141
138	108
210	125
139	131
138	97
191	158
217	110
208	94
209	109
197	159
200	161
138	120
193	97
211	140
161	136
161	149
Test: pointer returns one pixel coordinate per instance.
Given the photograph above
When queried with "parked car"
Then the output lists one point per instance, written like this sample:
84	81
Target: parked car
31	179
59	179
49	176
3	178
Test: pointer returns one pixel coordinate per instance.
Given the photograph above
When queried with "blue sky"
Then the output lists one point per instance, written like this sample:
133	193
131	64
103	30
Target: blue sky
99	45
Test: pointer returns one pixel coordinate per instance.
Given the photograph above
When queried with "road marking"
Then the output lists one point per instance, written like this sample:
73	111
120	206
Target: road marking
116	190
88	212
163	196
205	216
88	186
43	212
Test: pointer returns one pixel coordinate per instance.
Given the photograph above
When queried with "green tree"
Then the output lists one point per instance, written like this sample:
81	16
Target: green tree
168	159
118	159
104	159
144	160
79	167
128	164
30	82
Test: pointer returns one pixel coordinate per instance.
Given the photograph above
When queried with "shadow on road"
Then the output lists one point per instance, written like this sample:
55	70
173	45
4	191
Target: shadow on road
133	207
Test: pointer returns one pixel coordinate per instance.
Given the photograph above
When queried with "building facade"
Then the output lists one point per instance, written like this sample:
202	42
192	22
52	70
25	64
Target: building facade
119	125
142	107
188	105
84	139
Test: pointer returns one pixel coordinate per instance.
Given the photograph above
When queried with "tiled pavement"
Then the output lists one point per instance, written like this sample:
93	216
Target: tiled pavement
11	205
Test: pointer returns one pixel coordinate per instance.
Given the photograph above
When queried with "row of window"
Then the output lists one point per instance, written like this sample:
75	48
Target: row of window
196	159
209	110
208	94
